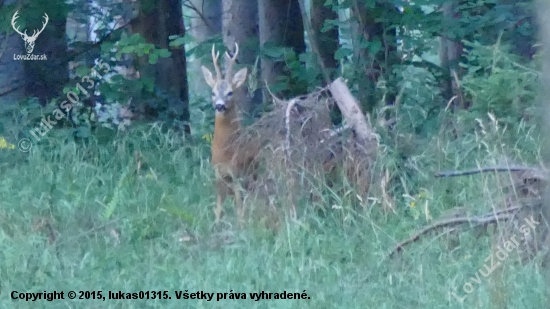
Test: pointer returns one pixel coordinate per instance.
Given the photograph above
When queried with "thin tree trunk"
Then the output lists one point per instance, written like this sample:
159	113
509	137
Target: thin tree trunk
46	79
450	52
240	24
206	22
328	40
544	25
157	23
206	19
12	74
371	25
281	25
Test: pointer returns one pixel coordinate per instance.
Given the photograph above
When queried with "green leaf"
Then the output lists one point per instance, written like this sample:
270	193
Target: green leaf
128	49
343	52
148	83
106	47
82	71
273	51
153	58
375	46
164	53
136	39
330	24
148	48
178	42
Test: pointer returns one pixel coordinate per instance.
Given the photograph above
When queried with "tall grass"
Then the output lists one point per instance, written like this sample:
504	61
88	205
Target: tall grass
84	218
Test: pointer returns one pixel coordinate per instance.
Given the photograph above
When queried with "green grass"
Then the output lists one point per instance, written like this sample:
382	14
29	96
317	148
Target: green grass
115	230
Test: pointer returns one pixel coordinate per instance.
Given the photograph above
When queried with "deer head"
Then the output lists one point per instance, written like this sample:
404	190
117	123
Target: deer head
223	87
29	40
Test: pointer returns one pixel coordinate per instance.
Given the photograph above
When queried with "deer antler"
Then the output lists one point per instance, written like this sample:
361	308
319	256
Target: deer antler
43	26
13	24
231	62
215	56
34	33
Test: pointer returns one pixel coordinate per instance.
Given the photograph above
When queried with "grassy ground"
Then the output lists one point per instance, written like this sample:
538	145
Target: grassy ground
79	218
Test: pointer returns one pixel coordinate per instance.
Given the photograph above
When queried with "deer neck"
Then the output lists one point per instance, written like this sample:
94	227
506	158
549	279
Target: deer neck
225	125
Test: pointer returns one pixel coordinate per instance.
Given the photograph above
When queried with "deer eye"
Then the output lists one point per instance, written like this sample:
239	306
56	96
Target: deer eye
230	93
213	94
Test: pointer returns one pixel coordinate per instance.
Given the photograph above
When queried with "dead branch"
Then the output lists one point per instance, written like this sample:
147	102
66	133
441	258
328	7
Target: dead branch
289	108
491	217
190	5
487	169
350	109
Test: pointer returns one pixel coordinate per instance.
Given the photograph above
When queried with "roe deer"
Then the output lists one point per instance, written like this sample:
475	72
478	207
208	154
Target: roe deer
225	159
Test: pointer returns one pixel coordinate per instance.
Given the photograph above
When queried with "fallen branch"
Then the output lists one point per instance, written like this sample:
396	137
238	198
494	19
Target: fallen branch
491	217
289	108
487	169
350	109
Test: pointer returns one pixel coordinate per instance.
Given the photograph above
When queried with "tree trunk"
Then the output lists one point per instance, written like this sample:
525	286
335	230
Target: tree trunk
12	74
328	40
206	22
522	30
240	24
450	52
206	19
281	25
517	29
157	21
372	27
543	13
46	79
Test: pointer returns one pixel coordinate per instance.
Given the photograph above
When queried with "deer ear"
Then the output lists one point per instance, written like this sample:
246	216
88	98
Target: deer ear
208	77
239	77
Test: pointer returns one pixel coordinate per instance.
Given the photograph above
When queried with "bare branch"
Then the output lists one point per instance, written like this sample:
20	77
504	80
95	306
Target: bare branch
491	217
487	169
191	6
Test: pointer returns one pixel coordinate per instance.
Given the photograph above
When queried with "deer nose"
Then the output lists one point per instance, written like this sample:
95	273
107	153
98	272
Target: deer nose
220	107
